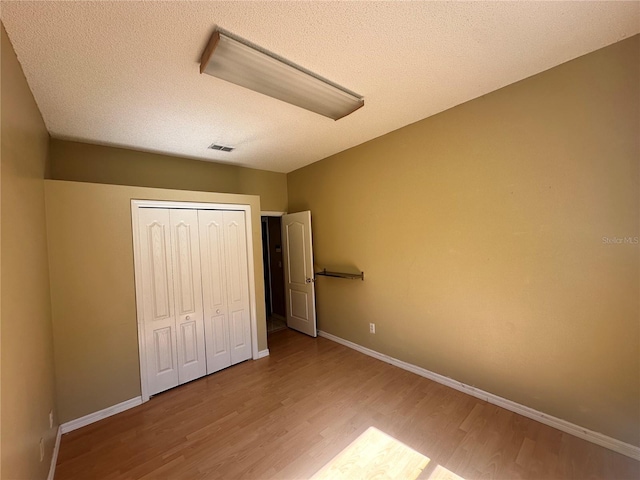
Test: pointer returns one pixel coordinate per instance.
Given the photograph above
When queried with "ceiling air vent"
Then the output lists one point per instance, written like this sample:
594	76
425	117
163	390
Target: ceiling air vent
222	148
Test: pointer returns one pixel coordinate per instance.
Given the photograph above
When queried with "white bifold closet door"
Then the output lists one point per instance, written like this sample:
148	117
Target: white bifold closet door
195	293
172	297
223	244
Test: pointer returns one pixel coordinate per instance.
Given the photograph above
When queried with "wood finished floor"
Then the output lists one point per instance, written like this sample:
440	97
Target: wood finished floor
287	415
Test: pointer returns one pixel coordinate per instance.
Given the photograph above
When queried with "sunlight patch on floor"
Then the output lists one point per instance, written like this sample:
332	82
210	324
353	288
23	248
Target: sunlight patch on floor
441	473
374	454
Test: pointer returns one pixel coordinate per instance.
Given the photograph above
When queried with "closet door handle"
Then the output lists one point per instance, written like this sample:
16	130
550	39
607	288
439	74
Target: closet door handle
188	317
218	311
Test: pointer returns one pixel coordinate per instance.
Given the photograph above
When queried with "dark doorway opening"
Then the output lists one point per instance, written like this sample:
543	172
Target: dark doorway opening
273	273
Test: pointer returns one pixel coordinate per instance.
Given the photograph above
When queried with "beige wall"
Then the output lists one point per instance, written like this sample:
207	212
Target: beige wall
480	231
83	162
27	349
93	292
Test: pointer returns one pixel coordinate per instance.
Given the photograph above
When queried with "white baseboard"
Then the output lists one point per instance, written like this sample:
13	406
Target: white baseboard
263	353
94	417
54	457
568	427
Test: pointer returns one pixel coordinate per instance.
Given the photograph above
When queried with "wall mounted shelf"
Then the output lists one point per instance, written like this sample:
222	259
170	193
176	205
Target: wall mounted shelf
350	276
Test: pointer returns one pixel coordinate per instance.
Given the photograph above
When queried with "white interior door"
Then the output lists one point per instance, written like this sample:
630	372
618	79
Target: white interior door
237	285
298	272
195	301
157	299
188	295
216	321
225	279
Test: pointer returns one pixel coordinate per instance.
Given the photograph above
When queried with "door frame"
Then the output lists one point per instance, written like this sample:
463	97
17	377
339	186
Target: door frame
270	213
135	206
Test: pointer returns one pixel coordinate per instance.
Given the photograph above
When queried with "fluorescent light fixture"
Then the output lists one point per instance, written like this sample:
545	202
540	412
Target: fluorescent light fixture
237	61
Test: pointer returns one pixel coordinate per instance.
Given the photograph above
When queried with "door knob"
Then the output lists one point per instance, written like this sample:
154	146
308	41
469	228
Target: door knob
218	310
309	280
188	317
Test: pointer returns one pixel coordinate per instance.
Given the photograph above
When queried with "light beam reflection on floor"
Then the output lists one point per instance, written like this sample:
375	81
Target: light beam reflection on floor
374	454
441	473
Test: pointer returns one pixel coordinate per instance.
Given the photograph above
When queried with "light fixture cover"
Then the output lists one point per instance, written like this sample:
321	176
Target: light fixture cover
238	61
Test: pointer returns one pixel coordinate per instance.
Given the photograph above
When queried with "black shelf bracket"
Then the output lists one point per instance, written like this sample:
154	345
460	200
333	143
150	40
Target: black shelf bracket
350	276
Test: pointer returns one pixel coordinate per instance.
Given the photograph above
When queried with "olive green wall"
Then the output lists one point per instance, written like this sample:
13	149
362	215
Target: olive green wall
27	346
481	234
84	162
93	291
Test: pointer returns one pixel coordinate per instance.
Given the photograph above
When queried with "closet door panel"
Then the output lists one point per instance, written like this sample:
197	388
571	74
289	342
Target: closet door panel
219	337
188	295
157	299
238	285
214	289
239	337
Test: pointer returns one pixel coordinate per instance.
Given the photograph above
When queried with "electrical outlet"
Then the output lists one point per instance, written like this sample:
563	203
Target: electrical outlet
50	418
41	449
372	328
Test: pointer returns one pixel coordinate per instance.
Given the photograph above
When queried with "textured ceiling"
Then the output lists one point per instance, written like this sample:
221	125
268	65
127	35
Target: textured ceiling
126	73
